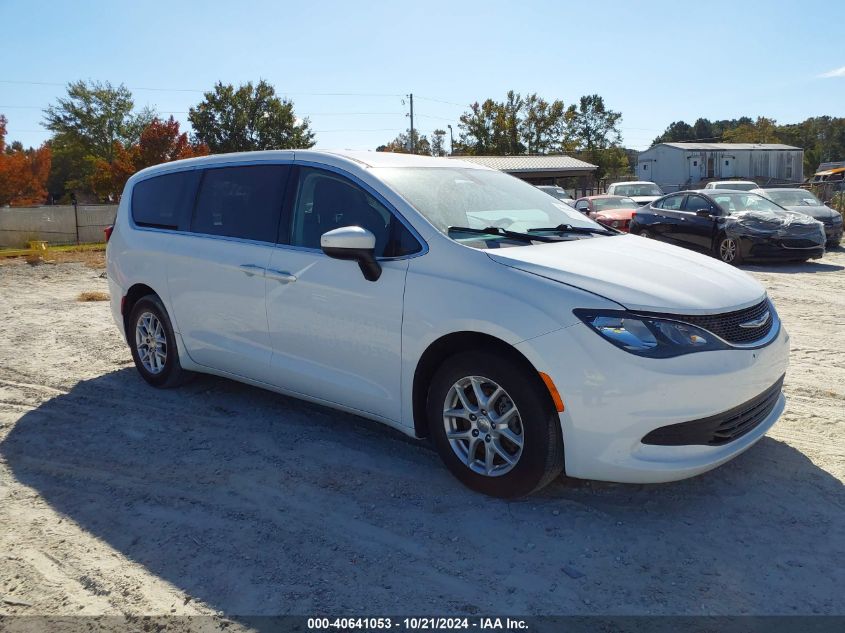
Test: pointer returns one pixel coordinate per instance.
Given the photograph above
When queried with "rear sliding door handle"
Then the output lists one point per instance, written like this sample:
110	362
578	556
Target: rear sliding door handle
280	276
252	269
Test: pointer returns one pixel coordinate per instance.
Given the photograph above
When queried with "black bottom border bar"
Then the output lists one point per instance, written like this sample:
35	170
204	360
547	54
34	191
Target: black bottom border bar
523	624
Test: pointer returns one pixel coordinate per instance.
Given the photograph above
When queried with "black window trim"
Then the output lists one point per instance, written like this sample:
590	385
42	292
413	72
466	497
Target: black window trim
203	168
694	195
284	215
672	195
231	238
290	195
151	226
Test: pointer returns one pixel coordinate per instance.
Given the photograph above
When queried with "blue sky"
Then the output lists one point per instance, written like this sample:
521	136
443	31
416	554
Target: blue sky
655	62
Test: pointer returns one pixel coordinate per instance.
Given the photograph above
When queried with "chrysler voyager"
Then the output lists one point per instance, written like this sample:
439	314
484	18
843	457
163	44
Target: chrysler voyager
449	301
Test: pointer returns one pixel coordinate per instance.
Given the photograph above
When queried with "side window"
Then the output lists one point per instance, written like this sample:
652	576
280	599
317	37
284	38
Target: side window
243	202
673	202
165	202
325	201
696	203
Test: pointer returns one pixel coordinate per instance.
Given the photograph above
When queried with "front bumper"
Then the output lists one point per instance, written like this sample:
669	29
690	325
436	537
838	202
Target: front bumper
613	399
781	248
833	232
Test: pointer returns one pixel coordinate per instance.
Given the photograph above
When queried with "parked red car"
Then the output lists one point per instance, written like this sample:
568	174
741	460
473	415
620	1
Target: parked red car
613	211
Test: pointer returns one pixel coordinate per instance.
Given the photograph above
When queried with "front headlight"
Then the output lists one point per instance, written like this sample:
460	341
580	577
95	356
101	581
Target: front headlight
649	336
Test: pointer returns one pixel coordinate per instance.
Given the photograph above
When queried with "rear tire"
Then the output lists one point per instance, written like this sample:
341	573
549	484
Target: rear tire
153	344
525	444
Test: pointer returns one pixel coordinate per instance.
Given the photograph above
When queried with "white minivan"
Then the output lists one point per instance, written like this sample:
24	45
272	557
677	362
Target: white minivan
450	301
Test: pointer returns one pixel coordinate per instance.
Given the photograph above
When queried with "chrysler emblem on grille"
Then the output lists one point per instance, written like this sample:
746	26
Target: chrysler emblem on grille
755	323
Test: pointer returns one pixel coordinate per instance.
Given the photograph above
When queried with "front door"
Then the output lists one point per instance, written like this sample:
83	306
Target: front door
671	225
698	229
216	271
727	167
336	336
695	169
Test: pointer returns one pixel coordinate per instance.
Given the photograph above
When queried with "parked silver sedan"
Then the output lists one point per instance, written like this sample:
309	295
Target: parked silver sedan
805	202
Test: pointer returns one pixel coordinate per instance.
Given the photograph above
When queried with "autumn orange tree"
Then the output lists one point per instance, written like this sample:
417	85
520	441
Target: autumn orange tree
23	173
160	142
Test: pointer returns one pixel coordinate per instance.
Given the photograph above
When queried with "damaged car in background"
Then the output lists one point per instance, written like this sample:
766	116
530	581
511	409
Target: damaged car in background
803	201
731	225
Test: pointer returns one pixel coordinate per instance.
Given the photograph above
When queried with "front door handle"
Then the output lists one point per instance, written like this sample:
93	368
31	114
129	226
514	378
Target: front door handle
280	276
252	269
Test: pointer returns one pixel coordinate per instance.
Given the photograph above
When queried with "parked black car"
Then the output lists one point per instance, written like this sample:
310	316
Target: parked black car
732	225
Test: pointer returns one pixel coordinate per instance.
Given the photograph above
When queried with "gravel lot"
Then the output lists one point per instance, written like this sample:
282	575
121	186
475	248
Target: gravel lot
219	498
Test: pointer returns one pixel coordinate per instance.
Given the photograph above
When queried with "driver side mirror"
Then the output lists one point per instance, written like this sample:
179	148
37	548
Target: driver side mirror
353	243
707	213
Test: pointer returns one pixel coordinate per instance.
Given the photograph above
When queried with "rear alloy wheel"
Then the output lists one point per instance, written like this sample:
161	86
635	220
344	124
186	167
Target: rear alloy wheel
153	344
494	425
728	250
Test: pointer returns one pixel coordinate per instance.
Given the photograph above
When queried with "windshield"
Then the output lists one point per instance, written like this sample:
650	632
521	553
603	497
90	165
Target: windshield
479	198
602	204
738	186
735	202
638	189
794	198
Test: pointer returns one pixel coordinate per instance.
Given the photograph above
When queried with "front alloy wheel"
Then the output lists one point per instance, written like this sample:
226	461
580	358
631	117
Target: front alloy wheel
483	426
729	250
494	423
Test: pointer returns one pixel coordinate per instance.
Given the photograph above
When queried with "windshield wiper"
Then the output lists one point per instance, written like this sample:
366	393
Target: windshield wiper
568	228
497	230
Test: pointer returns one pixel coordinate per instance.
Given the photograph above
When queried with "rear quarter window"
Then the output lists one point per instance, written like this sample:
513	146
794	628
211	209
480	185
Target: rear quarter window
165	201
243	202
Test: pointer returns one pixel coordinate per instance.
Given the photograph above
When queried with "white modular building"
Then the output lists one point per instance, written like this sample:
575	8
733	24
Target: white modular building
676	166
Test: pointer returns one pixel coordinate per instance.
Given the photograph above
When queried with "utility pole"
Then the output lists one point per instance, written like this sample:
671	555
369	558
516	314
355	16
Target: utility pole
451	141
413	140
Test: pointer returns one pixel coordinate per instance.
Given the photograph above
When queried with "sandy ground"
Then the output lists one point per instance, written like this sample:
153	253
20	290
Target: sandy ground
219	498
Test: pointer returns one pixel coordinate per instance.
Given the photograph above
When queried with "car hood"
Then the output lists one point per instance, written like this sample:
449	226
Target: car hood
615	214
819	212
639	273
643	200
773	224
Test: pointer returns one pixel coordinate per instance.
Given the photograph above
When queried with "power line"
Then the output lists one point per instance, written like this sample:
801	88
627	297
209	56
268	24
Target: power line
460	105
161	89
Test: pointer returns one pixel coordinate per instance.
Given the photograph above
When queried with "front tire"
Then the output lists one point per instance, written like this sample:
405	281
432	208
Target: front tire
494	424
153	344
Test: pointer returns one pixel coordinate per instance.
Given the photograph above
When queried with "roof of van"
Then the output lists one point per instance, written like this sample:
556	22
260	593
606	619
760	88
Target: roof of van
361	158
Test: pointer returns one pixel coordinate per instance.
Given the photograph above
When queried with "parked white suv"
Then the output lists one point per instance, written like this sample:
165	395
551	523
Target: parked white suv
447	300
734	185
642	192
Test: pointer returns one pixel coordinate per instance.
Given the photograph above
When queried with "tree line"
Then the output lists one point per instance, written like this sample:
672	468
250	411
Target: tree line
529	124
99	139
822	138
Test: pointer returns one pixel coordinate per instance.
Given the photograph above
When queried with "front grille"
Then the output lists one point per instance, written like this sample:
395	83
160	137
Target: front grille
799	244
722	428
727	326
